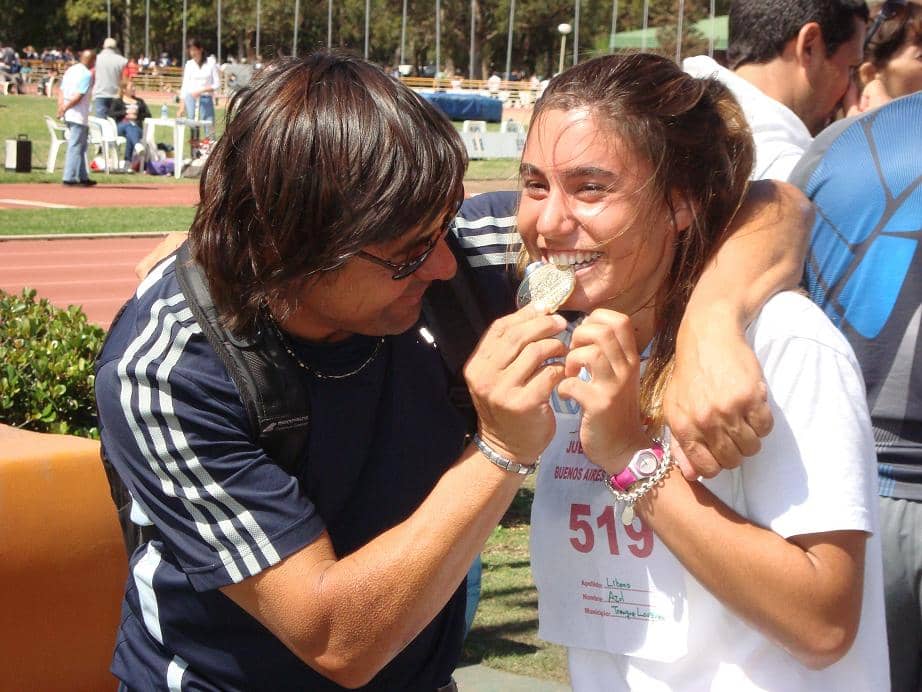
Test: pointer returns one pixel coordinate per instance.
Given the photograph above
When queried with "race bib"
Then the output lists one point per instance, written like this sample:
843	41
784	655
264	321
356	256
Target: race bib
601	585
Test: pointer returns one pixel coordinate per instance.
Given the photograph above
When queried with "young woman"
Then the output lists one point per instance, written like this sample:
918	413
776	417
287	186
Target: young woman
766	576
200	81
129	112
892	64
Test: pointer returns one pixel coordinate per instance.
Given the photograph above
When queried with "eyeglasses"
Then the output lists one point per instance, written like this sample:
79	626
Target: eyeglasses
889	10
404	269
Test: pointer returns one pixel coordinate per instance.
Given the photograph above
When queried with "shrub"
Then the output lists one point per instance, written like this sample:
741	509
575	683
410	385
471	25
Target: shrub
46	366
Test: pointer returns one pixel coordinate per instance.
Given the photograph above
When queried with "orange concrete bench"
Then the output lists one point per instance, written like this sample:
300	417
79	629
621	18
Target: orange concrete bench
62	564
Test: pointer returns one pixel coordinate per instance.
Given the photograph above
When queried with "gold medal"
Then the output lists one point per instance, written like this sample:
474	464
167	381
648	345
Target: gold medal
547	287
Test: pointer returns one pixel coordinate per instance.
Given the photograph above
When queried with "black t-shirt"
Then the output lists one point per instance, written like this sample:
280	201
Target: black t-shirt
175	429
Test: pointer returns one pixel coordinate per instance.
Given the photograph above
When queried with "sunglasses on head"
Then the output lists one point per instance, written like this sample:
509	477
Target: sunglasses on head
889	10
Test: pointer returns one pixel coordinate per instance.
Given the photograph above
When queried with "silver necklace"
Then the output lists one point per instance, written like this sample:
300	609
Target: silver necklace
286	344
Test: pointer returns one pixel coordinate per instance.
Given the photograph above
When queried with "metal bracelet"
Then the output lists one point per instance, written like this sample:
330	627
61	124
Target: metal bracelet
501	461
638	490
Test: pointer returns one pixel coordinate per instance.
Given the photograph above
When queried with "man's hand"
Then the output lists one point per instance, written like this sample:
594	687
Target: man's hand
511	384
717	402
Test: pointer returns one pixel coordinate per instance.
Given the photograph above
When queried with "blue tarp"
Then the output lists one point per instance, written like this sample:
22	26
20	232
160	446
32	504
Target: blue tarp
467	106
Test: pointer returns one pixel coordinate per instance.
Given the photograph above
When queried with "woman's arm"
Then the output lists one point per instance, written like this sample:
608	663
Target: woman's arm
716	403
804	593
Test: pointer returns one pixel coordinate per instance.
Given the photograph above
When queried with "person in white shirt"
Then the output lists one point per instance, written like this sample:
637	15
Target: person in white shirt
767	576
791	63
74	107
200	83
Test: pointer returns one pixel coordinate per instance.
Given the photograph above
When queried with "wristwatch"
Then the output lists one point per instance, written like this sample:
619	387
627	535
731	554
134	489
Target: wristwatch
642	465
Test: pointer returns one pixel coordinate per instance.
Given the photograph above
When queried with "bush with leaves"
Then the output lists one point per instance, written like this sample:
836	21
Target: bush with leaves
46	366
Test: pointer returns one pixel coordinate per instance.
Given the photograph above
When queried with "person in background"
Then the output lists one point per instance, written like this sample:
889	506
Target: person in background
109	66
790	65
200	83
74	107
864	268
129	113
892	64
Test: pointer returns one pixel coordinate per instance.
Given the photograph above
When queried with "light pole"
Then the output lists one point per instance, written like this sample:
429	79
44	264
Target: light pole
646	23
403	34
438	40
711	32
614	26
367	15
219	32
258	20
564	29
108	18
509	39
147	29
678	33
470	68
576	32
294	38
185	10
329	24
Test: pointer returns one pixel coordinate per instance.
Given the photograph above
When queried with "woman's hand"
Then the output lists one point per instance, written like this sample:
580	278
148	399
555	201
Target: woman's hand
511	385
611	429
181	109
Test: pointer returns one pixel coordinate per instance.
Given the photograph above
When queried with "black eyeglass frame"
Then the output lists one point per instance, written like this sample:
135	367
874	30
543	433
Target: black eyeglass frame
889	10
404	269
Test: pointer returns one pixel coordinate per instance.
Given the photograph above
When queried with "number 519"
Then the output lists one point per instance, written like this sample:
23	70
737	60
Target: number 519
641	541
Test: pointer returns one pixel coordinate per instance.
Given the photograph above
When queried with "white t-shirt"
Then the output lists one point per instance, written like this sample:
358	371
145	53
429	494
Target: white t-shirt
633	618
780	137
77	80
197	77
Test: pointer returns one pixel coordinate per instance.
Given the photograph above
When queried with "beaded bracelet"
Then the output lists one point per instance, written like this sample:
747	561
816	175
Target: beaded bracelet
638	490
501	461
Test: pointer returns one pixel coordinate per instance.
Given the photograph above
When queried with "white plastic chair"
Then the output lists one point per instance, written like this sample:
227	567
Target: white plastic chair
54	129
511	125
104	134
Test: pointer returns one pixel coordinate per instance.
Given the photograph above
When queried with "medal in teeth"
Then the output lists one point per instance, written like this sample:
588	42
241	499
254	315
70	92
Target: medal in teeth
547	286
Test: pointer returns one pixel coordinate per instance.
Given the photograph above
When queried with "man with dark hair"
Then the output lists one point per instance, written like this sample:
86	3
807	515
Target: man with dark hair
315	535
790	66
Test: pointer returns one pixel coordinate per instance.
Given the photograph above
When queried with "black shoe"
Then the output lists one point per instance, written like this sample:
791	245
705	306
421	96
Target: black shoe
87	183
70	183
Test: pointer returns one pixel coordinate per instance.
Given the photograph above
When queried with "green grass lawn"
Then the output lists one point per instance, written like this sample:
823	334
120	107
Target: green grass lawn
26	115
504	635
96	220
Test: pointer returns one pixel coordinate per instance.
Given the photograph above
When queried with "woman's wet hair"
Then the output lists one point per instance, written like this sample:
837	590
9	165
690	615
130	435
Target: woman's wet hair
320	157
699	147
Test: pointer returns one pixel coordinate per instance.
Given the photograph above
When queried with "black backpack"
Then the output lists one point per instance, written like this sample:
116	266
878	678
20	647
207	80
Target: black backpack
270	381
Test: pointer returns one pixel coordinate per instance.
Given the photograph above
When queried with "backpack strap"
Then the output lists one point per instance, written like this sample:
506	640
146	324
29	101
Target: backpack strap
271	384
456	320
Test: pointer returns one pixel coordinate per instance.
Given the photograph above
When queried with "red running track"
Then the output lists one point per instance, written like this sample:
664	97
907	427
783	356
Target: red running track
49	195
96	273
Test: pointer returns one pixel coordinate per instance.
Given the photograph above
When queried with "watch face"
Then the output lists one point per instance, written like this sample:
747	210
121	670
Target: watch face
646	463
